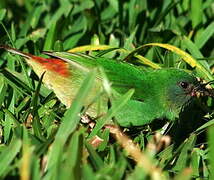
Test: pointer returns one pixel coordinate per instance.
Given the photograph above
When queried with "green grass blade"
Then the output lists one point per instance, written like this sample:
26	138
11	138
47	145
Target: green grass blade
204	36
196	12
112	111
211	150
8	154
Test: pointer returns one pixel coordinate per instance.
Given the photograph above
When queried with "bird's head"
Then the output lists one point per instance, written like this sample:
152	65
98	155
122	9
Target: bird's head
182	88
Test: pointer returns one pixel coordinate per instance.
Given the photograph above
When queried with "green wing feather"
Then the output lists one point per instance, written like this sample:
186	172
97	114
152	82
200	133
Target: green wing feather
123	76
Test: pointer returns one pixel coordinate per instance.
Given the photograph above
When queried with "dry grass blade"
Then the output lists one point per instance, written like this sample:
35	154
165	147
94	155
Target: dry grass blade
135	152
185	56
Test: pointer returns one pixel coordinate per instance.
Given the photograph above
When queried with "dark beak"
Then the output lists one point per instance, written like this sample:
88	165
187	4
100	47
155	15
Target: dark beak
203	89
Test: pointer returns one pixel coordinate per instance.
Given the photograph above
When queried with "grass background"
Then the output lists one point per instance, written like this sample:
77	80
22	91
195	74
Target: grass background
30	115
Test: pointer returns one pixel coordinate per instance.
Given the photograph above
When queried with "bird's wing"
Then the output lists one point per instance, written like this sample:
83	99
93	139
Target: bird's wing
122	76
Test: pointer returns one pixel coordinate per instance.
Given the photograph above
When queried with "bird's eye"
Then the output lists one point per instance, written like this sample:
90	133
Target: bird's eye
184	85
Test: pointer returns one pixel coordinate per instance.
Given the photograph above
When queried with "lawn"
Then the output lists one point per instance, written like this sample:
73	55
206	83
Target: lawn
40	138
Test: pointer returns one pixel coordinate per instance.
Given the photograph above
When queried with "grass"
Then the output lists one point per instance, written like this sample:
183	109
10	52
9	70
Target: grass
41	139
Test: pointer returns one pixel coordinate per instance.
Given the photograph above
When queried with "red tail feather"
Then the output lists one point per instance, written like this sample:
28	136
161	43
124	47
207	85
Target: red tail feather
53	64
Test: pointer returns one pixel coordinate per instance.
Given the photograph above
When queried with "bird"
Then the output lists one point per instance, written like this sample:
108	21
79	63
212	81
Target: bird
158	94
